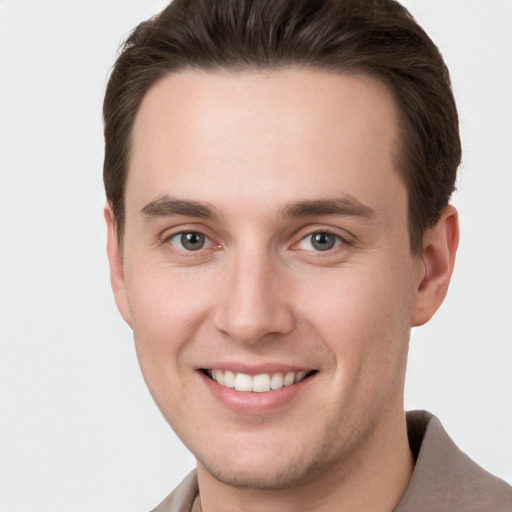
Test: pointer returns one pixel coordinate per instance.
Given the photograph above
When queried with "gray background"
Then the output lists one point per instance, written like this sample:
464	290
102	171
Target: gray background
78	430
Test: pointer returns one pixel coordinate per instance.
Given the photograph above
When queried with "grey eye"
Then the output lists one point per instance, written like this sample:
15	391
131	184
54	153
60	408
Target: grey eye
189	241
320	241
323	241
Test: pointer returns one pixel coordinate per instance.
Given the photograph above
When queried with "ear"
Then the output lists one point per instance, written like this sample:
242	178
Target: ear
438	258
115	260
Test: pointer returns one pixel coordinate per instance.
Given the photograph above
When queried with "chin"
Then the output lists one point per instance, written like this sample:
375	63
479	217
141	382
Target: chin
248	475
271	467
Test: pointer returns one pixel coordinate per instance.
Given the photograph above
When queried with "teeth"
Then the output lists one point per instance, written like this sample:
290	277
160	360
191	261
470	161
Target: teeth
299	376
218	376
259	383
242	382
289	379
229	379
276	381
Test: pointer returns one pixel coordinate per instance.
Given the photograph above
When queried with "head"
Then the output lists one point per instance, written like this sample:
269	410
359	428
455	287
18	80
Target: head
378	38
278	176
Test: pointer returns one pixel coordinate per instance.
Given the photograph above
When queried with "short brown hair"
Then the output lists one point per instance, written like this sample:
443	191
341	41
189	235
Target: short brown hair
376	37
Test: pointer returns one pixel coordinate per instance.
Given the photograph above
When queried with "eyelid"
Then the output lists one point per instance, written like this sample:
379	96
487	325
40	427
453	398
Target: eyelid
207	244
345	236
168	234
339	241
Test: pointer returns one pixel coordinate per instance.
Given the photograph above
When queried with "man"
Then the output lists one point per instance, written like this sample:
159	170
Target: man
278	177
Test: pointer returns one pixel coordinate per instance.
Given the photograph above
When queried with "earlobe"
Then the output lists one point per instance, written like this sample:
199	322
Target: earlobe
115	259
439	248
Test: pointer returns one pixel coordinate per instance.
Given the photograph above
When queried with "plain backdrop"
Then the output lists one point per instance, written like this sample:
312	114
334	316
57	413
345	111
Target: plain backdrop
78	429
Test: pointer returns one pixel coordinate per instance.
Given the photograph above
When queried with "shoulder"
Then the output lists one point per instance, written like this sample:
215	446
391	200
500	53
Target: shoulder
445	479
182	498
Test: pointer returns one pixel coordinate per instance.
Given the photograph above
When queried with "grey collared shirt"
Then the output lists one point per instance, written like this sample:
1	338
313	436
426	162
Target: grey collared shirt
444	478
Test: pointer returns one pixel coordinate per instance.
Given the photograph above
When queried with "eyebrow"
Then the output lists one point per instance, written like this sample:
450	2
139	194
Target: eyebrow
166	206
344	206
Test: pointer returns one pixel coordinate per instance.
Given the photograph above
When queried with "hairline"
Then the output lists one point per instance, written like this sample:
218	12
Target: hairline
399	154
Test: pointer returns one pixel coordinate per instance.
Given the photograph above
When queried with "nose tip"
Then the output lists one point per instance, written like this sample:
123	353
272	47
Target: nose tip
249	326
253	305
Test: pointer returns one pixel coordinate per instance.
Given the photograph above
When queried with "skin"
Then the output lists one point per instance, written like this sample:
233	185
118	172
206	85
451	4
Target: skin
259	294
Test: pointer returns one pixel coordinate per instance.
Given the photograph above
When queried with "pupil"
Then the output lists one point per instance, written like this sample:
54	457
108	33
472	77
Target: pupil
192	241
323	241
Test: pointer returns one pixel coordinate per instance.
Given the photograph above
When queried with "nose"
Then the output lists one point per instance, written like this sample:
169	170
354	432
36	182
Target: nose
253	303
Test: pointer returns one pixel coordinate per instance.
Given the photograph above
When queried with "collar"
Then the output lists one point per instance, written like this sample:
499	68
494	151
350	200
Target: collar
444	478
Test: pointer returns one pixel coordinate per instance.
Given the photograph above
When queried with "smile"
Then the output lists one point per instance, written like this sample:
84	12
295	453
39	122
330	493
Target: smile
257	383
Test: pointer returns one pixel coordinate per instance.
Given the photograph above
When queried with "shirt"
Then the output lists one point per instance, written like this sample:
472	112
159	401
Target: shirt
444	478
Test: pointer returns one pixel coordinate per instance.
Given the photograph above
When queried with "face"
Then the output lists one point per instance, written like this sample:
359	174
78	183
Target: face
267	271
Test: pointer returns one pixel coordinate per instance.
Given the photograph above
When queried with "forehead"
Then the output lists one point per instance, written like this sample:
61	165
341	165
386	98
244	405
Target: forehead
248	133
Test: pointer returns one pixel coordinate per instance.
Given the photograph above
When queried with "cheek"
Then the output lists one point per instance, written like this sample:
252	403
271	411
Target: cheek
163	300
167	310
166	315
363	316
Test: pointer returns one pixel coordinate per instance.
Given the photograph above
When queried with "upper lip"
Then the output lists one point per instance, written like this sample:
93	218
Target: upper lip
255	369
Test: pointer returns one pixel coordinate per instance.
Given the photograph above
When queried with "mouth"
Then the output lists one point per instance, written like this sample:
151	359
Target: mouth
261	383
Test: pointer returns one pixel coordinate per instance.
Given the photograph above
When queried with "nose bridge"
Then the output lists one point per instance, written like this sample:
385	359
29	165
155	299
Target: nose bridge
253	303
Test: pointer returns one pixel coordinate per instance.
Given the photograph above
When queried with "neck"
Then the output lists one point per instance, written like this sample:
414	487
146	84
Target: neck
374	477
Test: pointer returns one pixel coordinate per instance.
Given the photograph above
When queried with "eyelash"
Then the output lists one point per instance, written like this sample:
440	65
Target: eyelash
178	237
338	240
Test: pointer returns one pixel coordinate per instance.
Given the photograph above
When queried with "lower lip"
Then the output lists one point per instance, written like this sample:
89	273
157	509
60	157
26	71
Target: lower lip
250	402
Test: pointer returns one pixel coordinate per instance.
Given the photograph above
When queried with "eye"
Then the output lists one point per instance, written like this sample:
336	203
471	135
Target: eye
190	241
320	241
